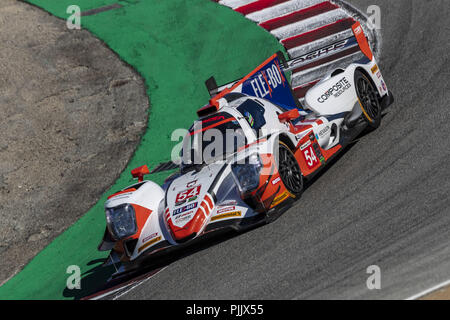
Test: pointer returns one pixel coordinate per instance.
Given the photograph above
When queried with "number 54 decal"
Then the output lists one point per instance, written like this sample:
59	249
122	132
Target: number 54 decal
189	193
310	157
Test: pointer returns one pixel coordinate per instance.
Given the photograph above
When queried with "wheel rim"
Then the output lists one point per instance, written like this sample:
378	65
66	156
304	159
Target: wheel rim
289	171
368	98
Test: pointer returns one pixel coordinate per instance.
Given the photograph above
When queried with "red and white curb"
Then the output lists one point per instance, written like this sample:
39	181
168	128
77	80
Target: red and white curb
303	26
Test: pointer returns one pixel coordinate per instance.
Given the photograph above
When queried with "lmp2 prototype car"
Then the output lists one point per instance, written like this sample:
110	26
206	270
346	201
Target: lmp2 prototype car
273	145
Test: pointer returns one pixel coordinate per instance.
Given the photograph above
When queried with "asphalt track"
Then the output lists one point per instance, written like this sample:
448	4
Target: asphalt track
384	202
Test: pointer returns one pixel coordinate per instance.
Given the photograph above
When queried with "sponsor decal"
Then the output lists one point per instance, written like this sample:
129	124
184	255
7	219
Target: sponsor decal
269	82
383	85
322	51
228	203
318	152
379	74
148	244
177	204
149	237
275	181
227	215
358	30
337	90
226	209
305	145
182	219
265	81
374	69
185	208
324	131
280	198
187	194
183	216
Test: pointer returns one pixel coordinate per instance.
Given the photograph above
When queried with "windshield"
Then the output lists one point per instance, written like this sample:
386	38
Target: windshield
211	139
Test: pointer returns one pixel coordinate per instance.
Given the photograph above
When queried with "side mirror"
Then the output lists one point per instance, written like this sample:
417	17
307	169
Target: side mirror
289	115
140	172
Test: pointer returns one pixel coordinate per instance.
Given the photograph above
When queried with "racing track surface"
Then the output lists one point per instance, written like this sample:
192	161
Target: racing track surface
384	202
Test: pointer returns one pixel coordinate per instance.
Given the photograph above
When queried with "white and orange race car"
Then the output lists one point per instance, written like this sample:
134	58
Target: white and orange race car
247	157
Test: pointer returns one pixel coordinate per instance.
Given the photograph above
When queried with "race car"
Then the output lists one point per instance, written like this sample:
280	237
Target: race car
247	157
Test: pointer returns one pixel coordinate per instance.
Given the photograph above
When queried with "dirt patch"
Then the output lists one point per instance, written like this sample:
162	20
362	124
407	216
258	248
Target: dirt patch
71	116
440	294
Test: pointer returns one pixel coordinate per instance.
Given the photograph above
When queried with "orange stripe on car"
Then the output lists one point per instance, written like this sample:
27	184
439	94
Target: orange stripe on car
205	207
209	200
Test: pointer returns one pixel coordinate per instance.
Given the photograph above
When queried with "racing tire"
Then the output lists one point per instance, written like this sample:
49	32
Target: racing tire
289	170
368	100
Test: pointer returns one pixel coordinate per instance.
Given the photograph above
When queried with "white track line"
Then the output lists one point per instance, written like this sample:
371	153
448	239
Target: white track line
132	285
430	290
312	23
137	285
281	10
107	293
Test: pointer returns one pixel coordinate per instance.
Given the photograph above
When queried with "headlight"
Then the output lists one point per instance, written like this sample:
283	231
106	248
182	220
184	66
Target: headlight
121	221
247	174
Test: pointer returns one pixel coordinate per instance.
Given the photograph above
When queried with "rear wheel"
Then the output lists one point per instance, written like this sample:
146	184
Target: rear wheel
289	170
368	98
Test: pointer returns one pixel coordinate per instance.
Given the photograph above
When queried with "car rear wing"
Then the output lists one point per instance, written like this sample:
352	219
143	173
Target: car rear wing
261	81
267	81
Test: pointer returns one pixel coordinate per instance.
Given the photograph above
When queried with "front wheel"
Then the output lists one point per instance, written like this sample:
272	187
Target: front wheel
289	171
368	100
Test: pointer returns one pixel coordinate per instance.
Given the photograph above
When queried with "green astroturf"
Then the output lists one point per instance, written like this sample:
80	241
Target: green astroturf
175	45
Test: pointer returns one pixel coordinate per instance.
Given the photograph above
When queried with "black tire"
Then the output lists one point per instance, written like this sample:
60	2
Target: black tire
289	170
368	98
